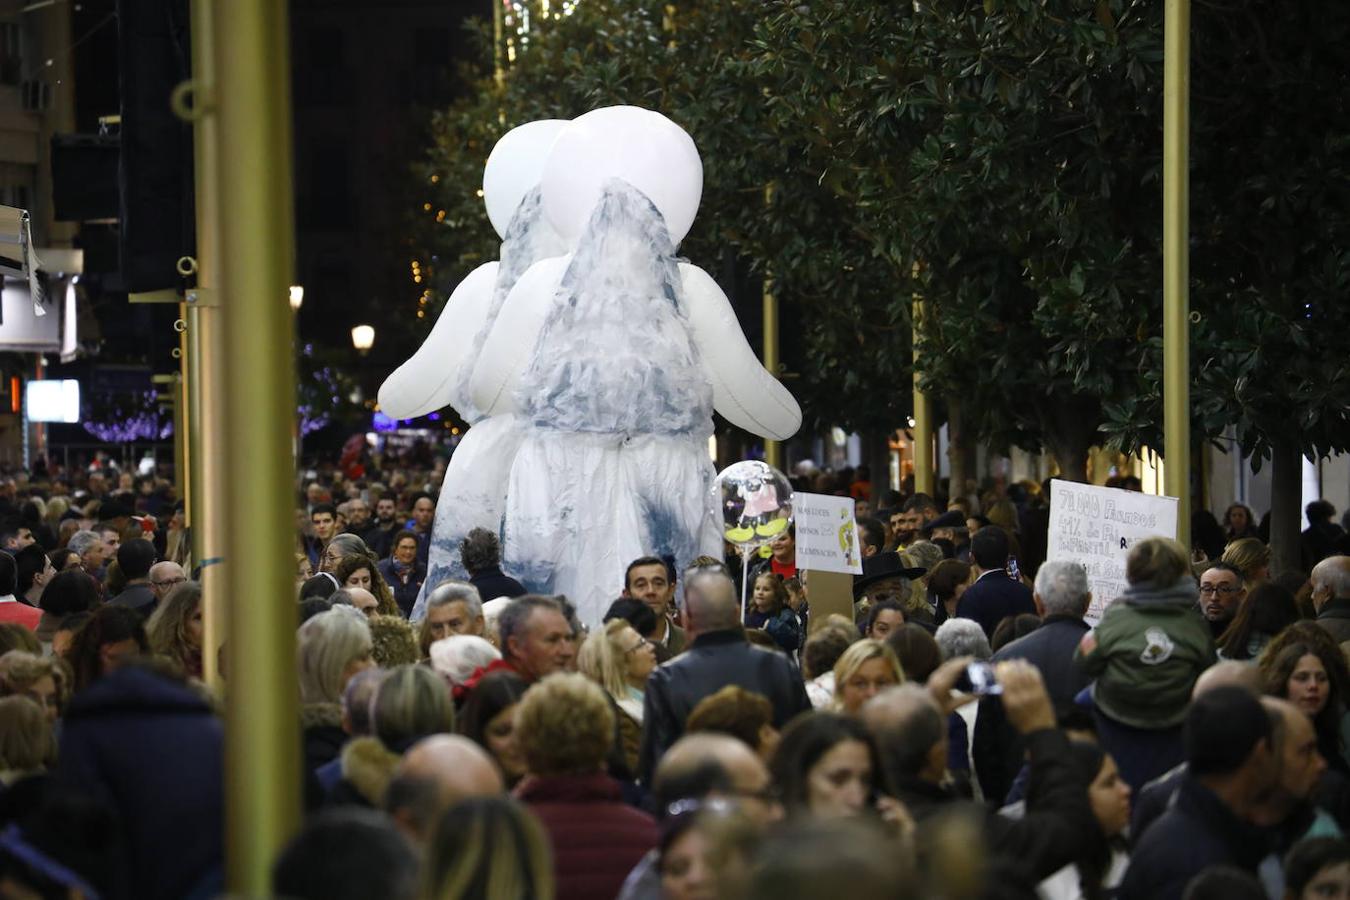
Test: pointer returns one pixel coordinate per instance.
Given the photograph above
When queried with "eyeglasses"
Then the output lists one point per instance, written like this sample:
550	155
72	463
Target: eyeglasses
1223	590
640	645
169	583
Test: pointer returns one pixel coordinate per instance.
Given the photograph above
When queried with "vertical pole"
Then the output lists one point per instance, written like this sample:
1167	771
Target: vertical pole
205	356
1176	261
923	416
773	450
256	227
498	45
182	418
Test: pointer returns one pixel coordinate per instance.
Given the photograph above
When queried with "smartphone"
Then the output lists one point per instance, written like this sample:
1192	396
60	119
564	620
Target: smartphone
1013	572
978	679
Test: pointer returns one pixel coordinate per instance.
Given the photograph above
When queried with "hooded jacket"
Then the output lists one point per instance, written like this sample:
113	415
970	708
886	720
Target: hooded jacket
1145	655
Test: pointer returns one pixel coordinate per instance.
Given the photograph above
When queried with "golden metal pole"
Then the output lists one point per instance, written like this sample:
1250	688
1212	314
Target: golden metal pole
1176	261
498	46
205	355
773	450
253	142
924	476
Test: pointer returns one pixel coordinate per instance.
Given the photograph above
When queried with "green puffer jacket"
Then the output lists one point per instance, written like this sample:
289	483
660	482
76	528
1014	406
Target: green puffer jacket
1145	655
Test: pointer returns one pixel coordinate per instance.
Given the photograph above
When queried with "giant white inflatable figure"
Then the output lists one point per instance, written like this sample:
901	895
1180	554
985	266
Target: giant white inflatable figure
612	359
474	489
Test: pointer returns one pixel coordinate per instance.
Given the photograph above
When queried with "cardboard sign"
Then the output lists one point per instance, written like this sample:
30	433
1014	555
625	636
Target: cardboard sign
1096	526
827	537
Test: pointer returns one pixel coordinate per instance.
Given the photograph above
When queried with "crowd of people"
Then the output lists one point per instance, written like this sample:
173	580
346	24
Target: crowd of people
965	733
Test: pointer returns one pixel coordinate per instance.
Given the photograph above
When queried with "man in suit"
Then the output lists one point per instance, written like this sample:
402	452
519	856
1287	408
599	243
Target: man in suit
650	580
994	595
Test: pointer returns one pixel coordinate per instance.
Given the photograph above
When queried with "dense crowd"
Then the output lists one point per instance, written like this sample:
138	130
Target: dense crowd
965	733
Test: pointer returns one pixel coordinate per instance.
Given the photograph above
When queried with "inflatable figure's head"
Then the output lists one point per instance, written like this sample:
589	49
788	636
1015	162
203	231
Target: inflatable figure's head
514	167
639	146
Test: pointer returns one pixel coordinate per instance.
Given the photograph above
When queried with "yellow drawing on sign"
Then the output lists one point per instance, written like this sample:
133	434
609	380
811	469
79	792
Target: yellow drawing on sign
846	537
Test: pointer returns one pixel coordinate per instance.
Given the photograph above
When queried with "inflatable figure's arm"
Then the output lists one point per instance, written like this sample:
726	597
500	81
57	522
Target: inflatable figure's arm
426	382
510	345
743	390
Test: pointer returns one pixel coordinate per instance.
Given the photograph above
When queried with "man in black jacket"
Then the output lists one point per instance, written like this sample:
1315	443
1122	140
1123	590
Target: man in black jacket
994	595
1231	768
1062	599
718	655
481	553
909	726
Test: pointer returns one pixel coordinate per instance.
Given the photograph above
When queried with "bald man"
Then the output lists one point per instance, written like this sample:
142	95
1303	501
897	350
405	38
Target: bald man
436	773
717	655
697	767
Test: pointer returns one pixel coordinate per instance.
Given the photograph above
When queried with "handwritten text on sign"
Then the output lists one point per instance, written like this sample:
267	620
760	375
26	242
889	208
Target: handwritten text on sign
1096	526
827	539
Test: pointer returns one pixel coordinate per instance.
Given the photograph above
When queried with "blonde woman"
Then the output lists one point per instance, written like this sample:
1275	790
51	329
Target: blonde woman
866	668
619	660
175	628
488	847
1250	557
333	646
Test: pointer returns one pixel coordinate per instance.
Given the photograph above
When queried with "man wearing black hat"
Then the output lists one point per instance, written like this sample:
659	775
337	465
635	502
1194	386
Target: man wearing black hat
135	557
886	577
1231	767
994	595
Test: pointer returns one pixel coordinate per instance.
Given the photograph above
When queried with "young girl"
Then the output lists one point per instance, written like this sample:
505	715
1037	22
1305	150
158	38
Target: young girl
769	611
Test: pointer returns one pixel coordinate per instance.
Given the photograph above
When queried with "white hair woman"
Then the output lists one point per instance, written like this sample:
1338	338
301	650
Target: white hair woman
333	646
459	658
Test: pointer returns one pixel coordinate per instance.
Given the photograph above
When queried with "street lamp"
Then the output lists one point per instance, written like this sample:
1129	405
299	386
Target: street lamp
297	294
363	337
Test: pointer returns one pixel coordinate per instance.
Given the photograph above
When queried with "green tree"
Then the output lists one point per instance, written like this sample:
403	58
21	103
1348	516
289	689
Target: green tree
1009	152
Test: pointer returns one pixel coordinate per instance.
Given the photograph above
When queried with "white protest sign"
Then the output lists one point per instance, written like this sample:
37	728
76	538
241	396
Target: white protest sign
827	538
1096	526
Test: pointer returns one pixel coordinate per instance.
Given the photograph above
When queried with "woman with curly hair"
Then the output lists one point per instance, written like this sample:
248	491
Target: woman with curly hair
1305	666
359	572
41	679
175	629
565	726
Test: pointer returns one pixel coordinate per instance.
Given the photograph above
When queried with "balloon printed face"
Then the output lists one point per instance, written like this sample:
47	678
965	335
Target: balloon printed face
756	503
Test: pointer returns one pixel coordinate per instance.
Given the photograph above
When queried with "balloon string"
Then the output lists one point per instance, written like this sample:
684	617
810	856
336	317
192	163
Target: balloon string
745	580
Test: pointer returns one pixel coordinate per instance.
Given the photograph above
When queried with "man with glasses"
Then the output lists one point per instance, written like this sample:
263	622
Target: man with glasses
164	577
1221	593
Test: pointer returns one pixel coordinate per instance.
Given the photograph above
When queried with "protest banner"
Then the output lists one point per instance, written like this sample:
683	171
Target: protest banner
1096	526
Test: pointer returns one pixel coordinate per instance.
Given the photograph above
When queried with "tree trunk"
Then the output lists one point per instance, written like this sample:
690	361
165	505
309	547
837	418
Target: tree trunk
1070	431
960	449
1286	496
